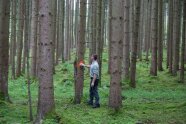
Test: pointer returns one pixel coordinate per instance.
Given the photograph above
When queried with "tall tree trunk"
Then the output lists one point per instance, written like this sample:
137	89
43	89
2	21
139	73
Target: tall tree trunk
90	15
80	53
94	43
154	31
135	29
19	35
126	45
27	44
116	41
183	43
62	29
33	39
45	70
76	23
13	38
176	36
170	35
67	36
160	34
149	29
4	48
99	39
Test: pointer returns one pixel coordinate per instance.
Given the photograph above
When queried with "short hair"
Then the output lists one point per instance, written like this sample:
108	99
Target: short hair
95	56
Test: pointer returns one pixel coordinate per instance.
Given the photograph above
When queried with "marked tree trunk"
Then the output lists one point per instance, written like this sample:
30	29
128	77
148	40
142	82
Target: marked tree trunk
135	29
116	42
45	70
4	48
154	32
80	53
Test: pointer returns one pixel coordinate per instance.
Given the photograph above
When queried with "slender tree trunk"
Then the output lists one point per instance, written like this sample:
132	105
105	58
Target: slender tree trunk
149	29
126	37
19	35
45	70
160	34
154	31
135	28
183	43
98	36
170	35
94	43
27	44
76	23
13	38
67	36
176	36
116	41
33	39
80	53
4	48
109	35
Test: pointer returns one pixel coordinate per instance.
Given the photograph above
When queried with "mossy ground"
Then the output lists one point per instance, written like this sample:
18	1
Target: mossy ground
156	100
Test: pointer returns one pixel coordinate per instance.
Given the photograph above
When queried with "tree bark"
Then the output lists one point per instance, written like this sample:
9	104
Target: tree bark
45	71
4	48
126	38
135	29
13	37
80	53
160	34
170	35
20	26
116	41
183	43
154	31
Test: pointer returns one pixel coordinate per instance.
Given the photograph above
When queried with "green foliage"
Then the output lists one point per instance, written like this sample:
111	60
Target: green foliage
158	99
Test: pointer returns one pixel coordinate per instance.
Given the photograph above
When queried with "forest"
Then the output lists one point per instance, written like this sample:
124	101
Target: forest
92	61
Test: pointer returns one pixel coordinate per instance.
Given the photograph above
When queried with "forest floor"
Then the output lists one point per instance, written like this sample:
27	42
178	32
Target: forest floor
156	100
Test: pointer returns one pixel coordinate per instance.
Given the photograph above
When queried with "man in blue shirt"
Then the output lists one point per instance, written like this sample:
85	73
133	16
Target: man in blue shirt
94	76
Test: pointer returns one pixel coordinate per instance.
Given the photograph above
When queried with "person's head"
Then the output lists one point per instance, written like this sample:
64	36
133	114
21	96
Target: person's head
94	57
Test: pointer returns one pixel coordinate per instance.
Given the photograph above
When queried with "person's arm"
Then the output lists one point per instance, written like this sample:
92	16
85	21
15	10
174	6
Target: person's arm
94	79
88	66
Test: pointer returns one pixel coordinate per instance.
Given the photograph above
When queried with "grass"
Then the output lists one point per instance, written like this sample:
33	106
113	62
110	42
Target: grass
156	100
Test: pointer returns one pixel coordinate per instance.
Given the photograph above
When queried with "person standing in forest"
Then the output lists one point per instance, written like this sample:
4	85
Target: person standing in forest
94	76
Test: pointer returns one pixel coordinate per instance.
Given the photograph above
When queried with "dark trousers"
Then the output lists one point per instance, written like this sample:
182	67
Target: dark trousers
94	92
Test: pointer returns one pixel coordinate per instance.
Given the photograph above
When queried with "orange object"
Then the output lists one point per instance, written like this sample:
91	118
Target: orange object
79	64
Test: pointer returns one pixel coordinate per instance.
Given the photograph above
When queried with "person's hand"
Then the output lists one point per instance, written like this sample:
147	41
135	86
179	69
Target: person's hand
82	64
92	84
